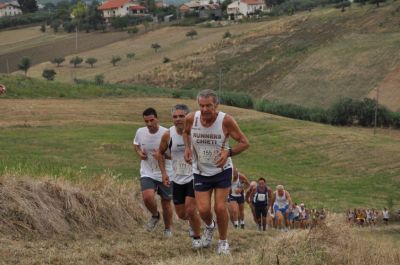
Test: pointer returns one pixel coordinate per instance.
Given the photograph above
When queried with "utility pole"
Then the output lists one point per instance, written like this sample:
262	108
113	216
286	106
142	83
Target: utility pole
76	38
376	109
220	80
8	67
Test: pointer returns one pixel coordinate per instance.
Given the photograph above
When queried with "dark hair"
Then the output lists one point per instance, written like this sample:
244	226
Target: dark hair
262	179
150	111
181	107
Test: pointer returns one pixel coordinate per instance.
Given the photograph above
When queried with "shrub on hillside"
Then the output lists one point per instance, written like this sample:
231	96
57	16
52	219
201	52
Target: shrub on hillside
49	74
343	112
237	99
76	61
58	61
25	19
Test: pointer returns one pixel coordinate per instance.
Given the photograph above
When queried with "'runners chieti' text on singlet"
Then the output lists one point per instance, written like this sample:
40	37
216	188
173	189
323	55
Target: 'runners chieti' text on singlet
207	142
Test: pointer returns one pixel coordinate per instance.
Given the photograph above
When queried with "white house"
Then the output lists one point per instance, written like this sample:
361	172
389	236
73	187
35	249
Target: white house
9	9
121	8
245	8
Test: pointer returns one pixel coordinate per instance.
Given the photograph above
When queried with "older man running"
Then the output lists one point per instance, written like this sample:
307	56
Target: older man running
206	137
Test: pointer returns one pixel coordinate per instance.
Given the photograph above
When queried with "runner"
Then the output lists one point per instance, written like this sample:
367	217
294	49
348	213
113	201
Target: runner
182	183
207	131
262	196
281	202
385	214
146	143
236	198
249	200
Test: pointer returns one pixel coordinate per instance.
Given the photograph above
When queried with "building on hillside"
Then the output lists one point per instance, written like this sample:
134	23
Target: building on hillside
245	8
10	9
121	8
202	8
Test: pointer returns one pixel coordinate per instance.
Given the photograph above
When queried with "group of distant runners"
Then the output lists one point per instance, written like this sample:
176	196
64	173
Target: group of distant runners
367	216
191	162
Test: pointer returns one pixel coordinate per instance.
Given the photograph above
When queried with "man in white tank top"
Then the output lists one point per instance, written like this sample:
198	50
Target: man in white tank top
281	202
182	182
146	142
206	137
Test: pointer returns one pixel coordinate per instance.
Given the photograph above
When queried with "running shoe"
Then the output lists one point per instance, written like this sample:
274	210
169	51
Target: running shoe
151	225
167	232
208	235
223	247
197	243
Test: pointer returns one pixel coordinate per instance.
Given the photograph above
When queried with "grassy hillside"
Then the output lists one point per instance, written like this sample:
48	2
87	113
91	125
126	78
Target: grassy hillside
323	165
310	58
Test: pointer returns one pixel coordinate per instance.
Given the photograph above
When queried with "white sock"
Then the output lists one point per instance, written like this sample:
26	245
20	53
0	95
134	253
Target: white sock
211	225
236	223
242	222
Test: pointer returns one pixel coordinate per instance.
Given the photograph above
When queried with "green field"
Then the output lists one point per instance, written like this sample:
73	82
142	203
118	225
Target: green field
323	165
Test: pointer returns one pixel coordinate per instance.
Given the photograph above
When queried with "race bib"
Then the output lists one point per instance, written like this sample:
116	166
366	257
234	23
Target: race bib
154	165
208	155
261	197
182	168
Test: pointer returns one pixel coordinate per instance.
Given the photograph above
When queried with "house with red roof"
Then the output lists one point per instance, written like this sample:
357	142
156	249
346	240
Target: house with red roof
242	8
10	9
121	8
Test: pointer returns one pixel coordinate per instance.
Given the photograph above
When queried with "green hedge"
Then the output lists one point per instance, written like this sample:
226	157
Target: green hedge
25	19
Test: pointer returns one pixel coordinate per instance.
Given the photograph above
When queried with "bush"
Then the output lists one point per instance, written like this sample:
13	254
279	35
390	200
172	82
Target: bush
43	28
115	60
91	61
76	61
166	60
69	26
241	100
343	112
99	79
227	35
192	33
25	19
49	74
130	55
133	30
58	61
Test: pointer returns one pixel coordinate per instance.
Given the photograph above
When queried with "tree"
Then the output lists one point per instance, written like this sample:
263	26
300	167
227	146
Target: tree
343	4
43	28
119	22
155	46
58	61
133	30
24	64
166	60
130	55
55	24
76	61
91	61
191	33
376	2
49	74
69	26
115	60
99	79
28	6
94	16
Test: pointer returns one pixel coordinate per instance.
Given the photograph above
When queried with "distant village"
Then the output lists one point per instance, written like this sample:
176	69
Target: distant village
201	8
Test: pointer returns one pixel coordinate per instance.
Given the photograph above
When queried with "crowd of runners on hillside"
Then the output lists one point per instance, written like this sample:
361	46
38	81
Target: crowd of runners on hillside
191	164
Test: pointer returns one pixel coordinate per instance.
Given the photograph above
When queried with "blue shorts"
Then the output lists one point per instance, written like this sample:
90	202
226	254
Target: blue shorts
221	180
282	210
238	199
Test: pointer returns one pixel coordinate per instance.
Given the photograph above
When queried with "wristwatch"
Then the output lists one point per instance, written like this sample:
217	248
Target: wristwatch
230	152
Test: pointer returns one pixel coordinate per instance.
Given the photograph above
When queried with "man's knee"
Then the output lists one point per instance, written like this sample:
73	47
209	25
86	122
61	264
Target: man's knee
220	208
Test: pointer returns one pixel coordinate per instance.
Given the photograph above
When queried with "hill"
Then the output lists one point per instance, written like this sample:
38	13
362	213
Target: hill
310	58
78	138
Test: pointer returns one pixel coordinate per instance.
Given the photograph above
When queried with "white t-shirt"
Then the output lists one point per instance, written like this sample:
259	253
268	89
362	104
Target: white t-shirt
149	142
296	211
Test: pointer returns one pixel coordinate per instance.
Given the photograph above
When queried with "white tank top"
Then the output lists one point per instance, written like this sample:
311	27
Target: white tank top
148	142
235	185
281	201
206	144
182	170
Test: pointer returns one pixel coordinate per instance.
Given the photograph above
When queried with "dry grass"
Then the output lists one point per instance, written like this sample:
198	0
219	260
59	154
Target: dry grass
12	40
28	112
100	221
54	207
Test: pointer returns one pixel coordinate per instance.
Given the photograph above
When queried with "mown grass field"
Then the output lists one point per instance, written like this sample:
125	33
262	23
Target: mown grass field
323	165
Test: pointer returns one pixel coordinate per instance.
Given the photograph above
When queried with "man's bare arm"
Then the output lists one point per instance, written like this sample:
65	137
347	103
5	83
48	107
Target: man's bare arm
186	137
161	157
